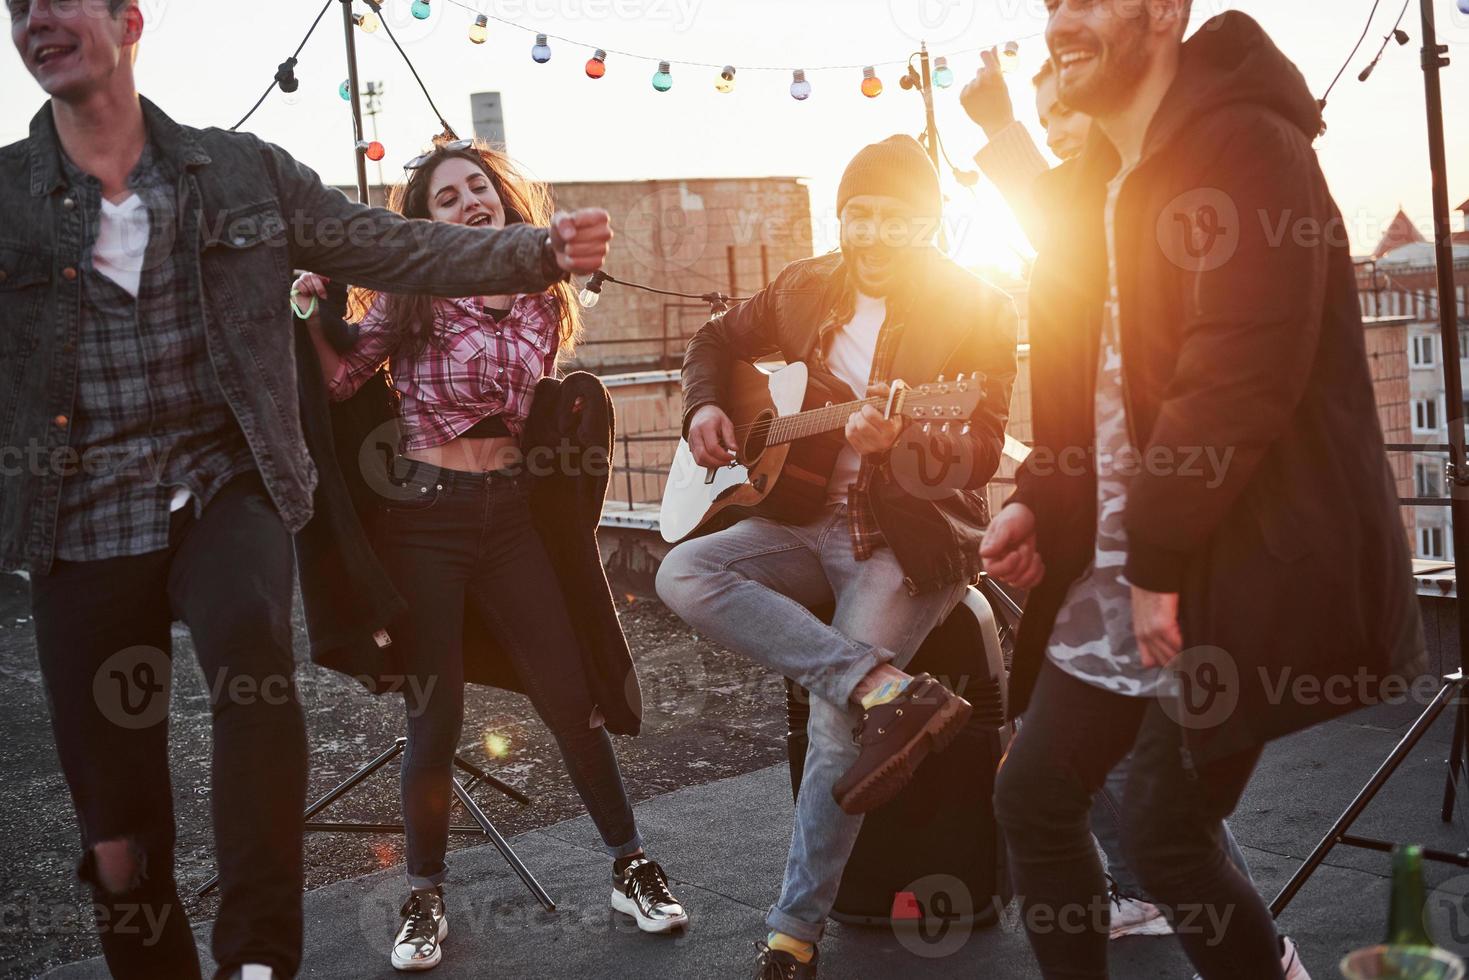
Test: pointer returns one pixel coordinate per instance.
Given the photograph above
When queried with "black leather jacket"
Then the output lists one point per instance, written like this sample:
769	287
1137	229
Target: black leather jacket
953	323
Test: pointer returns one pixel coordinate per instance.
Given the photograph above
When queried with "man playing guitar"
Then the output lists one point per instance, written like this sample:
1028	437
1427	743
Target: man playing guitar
890	549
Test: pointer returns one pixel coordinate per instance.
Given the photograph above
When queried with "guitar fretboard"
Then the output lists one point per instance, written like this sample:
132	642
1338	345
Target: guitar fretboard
814	422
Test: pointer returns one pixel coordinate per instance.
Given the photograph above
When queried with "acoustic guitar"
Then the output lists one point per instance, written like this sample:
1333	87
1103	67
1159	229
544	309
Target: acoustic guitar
788	433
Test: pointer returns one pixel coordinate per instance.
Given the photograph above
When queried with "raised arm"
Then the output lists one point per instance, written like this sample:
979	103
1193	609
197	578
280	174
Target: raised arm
376	248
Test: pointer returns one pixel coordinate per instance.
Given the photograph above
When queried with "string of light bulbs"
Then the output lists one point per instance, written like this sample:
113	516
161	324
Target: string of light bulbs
662	81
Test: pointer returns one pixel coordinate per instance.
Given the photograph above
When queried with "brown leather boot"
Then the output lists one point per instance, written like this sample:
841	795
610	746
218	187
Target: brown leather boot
895	737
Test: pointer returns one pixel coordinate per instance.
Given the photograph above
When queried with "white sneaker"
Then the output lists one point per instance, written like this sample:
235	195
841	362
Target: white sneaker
1290	961
1134	917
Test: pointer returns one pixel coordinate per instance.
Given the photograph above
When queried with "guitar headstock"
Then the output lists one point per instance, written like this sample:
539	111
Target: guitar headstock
942	402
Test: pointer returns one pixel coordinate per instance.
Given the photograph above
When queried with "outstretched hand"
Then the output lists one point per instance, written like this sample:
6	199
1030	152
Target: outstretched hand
580	239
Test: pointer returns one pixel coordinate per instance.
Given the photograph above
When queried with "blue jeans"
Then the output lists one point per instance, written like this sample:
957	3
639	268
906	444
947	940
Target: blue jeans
470	538
1106	820
751	588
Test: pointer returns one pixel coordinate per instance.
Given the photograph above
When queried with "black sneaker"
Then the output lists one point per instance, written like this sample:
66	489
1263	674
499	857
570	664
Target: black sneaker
641	891
774	964
418	945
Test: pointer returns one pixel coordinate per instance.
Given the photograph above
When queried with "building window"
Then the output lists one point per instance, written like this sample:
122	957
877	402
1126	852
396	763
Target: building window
1463	343
1423	351
1428	480
1430	542
1425	415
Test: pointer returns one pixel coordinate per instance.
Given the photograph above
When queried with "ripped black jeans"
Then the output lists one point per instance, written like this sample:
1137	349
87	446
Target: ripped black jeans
103	637
469	538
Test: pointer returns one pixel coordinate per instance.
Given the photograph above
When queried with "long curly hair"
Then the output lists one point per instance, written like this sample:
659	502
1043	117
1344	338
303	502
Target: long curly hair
409	316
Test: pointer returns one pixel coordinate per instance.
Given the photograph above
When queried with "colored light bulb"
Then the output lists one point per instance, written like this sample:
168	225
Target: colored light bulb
871	84
943	75
800	88
597	64
374	150
421	9
725	81
662	78
1010	58
540	53
345	90
480	29
369	22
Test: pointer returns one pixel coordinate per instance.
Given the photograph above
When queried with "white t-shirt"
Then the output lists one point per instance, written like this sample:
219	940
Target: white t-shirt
122	242
118	253
849	355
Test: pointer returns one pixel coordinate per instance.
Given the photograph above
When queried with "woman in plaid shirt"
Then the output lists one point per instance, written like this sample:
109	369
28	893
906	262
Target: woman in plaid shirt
465	370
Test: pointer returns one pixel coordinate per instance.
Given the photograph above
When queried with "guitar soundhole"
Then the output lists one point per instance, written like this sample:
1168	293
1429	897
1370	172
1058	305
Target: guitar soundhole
755	440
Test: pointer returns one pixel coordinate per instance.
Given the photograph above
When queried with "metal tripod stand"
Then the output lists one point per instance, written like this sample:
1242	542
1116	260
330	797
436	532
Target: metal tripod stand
461	792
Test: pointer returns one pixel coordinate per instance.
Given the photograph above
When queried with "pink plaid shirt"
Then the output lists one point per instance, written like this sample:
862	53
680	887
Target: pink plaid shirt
473	366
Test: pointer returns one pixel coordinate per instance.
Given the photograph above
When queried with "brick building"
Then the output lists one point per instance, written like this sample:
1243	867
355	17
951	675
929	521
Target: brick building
1399	295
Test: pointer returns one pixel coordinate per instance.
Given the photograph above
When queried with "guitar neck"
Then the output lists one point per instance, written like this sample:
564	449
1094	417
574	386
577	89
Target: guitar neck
815	421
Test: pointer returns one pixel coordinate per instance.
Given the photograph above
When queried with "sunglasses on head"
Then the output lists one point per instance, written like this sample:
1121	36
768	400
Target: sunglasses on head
423	158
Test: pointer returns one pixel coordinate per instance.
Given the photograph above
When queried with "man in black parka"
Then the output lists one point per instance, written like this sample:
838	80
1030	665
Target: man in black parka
1207	523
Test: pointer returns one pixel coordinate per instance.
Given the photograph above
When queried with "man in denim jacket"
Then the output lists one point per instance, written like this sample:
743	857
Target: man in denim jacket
152	459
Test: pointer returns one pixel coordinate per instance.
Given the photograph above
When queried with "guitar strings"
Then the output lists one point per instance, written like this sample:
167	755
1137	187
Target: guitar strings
834	411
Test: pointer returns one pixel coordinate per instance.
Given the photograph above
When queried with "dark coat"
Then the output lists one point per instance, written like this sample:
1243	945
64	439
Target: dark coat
351	605
1244	340
953	323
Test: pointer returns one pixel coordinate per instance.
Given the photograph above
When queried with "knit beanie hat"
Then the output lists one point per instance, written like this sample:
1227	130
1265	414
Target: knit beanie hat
896	167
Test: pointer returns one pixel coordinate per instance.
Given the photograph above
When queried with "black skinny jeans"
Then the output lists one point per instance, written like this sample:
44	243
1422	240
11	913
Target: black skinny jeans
1071	736
469	537
105	649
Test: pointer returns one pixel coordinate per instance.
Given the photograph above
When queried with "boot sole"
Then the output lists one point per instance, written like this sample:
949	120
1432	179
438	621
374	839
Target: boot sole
888	779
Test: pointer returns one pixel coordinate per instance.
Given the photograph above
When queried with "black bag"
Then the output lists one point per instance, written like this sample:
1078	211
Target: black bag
932	857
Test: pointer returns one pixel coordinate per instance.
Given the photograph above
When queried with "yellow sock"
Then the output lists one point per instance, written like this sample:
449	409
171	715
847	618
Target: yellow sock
884	693
781	943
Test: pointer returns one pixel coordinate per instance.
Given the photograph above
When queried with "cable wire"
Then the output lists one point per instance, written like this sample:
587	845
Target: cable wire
376	5
1365	28
269	88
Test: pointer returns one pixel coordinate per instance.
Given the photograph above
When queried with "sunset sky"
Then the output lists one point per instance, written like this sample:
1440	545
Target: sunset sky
206	63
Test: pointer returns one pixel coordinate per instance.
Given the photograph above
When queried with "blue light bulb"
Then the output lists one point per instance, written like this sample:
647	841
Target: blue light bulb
943	75
541	53
663	78
421	9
